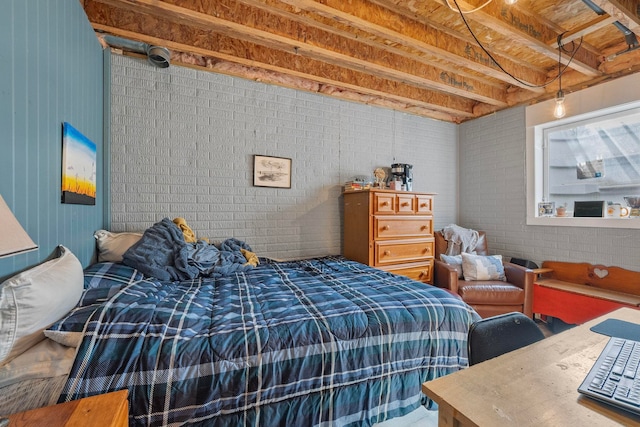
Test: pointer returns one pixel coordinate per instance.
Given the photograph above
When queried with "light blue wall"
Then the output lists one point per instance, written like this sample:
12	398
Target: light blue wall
50	71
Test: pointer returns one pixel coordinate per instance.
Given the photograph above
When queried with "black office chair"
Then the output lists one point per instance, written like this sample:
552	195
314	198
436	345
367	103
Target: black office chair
492	336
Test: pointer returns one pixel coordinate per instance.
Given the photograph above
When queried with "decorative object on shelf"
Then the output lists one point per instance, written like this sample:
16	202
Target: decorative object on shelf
561	210
359	182
380	176
78	167
616	210
15	239
634	204
546	208
269	171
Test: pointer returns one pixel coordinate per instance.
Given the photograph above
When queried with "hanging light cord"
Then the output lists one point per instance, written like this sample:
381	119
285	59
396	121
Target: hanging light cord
561	48
560	71
466	11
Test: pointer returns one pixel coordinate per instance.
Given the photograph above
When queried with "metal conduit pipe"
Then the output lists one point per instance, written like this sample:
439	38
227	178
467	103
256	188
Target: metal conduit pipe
629	36
156	55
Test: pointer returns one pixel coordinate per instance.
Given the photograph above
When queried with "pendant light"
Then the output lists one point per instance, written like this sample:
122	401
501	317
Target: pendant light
560	110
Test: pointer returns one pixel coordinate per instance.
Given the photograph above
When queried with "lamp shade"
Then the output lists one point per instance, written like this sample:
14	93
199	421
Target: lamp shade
13	238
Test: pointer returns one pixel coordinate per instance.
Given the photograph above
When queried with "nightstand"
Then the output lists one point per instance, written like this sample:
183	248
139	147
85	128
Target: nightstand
104	410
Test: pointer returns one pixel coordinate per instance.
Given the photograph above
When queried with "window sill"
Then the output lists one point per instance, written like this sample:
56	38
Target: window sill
633	223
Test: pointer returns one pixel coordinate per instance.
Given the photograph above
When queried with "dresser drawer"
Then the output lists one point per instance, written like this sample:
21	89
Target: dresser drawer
405	203
424	205
403	251
421	273
384	203
387	227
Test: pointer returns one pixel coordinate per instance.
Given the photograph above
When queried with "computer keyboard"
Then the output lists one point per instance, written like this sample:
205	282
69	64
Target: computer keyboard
614	378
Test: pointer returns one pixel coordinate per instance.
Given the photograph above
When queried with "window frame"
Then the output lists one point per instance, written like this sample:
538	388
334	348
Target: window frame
538	119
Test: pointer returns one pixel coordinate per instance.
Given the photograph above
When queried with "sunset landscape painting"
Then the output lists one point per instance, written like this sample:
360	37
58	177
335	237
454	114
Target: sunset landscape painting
78	167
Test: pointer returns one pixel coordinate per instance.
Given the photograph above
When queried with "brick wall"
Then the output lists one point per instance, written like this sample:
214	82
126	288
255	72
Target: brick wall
493	198
183	140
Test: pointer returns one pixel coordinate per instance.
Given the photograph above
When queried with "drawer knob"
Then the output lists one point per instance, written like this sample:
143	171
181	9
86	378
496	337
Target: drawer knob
423	273
385	203
423	205
387	253
424	227
405	204
386	227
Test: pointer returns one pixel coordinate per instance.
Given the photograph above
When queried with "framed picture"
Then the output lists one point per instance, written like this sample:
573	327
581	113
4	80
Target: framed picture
78	167
271	171
546	208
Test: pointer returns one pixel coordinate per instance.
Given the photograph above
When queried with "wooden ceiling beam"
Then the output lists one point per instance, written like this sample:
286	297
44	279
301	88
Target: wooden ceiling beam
382	21
530	33
318	45
447	62
588	28
627	12
253	56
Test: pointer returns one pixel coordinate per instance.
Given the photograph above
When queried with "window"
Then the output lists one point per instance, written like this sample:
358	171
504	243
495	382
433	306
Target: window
594	159
585	165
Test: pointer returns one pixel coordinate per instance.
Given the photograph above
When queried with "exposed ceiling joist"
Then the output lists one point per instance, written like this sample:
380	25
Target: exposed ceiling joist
416	57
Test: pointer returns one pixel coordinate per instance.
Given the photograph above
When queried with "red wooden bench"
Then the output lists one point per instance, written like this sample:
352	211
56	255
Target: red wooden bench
578	292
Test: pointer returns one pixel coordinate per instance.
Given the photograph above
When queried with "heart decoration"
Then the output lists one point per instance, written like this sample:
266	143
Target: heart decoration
601	273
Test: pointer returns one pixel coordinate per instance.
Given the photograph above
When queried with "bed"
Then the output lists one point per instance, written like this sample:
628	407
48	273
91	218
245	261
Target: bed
322	341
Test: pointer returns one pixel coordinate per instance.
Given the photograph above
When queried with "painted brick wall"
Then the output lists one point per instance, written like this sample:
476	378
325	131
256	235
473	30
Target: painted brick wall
183	140
493	198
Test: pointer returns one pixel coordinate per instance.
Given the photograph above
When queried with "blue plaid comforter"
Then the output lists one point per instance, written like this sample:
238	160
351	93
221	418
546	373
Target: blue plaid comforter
324	341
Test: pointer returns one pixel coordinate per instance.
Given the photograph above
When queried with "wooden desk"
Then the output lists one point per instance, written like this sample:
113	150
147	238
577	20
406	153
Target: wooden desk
533	386
105	410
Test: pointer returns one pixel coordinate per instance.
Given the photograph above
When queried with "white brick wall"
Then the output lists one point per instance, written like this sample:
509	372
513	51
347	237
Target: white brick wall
183	142
492	198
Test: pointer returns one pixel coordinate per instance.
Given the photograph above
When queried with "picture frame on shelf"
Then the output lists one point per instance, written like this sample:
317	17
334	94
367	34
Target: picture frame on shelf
546	208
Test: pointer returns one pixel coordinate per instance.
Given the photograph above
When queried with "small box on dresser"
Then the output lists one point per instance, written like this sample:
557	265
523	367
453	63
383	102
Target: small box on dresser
390	230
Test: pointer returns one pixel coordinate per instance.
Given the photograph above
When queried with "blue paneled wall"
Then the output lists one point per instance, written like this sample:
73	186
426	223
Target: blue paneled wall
51	71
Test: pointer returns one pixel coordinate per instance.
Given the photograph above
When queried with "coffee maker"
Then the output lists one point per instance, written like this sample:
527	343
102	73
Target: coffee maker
403	172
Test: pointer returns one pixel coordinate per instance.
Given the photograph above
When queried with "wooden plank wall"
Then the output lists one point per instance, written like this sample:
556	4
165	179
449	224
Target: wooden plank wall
50	72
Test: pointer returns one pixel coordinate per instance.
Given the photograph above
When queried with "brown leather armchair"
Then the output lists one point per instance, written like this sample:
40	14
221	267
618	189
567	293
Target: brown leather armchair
488	298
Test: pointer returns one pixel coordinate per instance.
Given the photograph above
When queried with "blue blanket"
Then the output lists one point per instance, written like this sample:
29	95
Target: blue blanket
324	341
163	253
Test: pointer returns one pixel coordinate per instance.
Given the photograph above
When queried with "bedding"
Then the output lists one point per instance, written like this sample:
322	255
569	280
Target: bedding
34	299
323	341
162	252
35	378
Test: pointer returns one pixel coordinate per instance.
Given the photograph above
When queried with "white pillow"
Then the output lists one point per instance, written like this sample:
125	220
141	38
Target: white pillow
35	299
66	338
478	267
111	246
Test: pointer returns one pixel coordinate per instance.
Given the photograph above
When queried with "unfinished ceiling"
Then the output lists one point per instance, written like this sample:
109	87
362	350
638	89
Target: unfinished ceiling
416	56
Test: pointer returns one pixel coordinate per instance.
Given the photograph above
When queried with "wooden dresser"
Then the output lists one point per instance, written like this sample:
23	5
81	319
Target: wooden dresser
390	230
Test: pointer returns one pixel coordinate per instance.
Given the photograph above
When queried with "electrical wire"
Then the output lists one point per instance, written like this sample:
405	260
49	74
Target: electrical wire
561	48
467	11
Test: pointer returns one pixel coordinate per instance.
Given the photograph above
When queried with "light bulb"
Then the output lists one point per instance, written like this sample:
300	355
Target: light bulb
560	110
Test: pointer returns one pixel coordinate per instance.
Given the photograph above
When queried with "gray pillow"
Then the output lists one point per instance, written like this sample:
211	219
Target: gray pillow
478	267
454	261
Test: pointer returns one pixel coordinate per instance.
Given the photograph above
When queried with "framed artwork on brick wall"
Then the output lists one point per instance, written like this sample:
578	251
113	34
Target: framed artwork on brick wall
269	171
